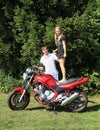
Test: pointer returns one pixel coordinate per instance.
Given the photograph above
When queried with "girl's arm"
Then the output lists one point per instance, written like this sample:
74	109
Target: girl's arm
64	47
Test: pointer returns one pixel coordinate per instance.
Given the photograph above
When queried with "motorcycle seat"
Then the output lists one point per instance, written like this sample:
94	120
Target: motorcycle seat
68	81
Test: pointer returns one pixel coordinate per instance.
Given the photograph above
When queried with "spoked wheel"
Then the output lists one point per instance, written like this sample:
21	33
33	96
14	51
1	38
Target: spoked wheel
80	103
13	101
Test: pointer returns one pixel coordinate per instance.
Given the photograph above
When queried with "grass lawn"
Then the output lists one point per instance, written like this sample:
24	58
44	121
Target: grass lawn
36	117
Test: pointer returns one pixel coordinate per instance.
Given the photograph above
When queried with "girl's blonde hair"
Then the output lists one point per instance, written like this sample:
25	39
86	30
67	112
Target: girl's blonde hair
56	37
58	27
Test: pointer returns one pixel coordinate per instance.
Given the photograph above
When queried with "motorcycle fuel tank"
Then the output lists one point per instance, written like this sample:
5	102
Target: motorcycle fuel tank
45	79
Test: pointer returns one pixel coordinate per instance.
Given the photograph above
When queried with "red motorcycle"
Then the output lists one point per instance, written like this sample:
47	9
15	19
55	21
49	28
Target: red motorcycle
48	92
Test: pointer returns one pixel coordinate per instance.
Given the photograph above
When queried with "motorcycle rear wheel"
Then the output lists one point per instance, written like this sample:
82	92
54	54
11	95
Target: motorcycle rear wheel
13	101
80	103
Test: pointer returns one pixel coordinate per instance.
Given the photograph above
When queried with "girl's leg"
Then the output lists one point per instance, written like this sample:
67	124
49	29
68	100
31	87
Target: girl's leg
63	70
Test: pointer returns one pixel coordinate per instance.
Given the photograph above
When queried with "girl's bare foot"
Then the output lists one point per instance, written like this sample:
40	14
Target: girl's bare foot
63	80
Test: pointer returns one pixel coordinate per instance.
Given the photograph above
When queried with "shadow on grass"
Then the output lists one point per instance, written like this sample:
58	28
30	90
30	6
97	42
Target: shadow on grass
93	108
35	108
65	109
58	108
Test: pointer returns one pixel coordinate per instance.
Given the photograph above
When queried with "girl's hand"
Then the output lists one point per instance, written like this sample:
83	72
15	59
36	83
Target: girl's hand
65	55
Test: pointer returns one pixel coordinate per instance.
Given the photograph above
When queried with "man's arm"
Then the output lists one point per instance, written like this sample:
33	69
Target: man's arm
55	57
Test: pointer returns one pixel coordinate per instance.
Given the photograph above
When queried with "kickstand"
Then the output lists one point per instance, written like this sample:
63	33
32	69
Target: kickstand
55	109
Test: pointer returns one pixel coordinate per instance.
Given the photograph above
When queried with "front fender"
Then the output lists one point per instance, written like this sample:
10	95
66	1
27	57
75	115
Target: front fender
20	90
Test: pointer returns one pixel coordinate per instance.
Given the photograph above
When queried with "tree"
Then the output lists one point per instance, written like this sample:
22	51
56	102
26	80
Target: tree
26	25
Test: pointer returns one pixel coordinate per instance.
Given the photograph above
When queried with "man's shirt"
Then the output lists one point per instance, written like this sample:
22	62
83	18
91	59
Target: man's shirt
49	64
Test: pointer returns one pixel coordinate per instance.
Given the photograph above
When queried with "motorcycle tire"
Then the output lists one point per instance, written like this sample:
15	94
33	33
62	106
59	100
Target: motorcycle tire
80	103
13	99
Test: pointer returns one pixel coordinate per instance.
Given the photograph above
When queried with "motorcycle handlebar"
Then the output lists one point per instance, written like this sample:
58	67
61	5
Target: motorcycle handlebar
40	68
35	66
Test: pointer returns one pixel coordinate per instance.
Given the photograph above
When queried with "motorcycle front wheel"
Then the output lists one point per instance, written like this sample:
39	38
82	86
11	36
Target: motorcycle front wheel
80	103
13	101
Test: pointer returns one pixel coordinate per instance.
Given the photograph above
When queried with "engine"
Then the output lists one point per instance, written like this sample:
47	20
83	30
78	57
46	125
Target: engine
44	93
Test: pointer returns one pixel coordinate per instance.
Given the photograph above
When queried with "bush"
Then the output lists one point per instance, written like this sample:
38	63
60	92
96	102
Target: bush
7	82
94	83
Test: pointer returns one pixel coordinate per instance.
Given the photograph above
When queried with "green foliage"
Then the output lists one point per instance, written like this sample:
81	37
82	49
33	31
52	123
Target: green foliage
7	83
94	83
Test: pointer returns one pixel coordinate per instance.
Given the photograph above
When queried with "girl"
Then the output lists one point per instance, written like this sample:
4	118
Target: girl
60	42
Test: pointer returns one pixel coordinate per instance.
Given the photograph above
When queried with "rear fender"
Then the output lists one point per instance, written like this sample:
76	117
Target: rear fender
20	90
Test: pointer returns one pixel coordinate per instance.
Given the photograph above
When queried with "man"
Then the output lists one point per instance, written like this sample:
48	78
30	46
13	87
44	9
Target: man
47	61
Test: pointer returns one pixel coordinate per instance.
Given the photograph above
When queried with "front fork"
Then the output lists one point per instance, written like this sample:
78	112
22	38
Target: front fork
25	88
22	95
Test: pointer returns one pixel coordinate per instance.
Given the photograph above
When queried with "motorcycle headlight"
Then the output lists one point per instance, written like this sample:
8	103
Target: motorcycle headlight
25	76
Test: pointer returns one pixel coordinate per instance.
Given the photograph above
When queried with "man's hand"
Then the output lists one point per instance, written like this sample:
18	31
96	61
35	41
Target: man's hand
35	66
38	67
54	51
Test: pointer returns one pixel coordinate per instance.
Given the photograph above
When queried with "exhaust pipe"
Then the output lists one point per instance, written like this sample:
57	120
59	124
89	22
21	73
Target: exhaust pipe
69	99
